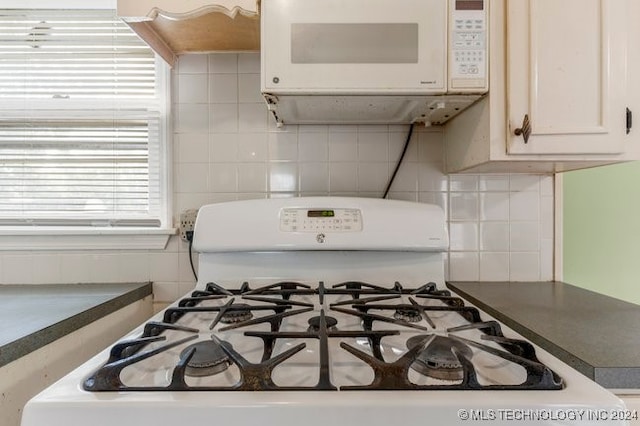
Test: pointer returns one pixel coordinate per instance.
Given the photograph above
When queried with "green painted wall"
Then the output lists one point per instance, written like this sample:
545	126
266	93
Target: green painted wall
602	230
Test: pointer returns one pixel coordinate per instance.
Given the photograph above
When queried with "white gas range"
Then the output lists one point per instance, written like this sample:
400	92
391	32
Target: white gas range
324	311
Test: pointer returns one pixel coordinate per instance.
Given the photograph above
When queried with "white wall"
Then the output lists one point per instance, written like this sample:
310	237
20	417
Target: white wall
226	147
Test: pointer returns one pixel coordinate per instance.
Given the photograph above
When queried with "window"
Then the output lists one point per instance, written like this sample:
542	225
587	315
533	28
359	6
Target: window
82	123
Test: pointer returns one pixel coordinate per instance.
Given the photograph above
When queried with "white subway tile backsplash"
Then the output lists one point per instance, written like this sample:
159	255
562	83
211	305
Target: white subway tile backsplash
253	147
373	146
524	206
252	117
249	88
252	177
494	236
283	146
224	177
252	196
191	200
396	145
192	177
164	267
17	269
372	177
283	177
313	128
248	63
493	183
228	147
373	128
407	178
223	147
104	267
221	63
525	236
494	266
75	268
463	236
173	245
191	147
166	292
524	183
133	267
191	118
223	88
546	217
342	146
343	177
192	64
430	146
494	206
546	186
546	259
438	198
313	147
314	177
192	88
463	206
463	183
432	178
224	118
524	266
403	196
46	269
184	267
339	128
464	266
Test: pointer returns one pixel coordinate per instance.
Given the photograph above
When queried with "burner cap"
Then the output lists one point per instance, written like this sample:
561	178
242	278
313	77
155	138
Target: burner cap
209	359
314	323
408	314
239	312
437	360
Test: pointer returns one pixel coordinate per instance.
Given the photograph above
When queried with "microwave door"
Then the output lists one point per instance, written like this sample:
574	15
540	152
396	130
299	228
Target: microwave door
352	47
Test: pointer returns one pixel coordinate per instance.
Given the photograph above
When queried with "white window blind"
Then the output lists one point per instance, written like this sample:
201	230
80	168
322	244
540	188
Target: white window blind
80	121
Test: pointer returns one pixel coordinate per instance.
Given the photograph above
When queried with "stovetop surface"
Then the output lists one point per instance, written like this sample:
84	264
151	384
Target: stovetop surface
296	336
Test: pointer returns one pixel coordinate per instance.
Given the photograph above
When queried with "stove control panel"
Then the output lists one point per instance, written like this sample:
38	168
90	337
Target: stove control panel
320	220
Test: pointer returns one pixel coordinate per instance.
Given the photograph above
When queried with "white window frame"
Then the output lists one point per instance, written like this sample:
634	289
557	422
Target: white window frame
33	238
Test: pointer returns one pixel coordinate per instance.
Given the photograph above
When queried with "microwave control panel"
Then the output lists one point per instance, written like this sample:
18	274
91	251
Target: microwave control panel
320	220
468	44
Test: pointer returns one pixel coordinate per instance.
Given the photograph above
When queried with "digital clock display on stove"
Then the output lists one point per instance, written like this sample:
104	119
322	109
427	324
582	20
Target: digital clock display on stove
320	213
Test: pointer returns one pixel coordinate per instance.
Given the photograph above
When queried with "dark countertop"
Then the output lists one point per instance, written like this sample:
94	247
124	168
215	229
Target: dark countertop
595	334
33	316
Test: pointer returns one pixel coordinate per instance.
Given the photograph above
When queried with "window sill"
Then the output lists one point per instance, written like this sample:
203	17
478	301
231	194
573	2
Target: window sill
83	238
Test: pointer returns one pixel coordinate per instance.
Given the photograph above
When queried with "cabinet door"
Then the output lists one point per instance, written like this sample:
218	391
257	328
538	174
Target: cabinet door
566	73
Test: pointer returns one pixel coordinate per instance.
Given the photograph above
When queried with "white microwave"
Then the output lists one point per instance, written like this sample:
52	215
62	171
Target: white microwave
326	60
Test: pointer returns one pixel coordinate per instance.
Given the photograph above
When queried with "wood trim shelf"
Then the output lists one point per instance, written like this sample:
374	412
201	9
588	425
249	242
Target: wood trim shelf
205	29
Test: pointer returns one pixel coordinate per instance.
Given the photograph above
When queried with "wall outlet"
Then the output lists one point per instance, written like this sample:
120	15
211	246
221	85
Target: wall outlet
187	223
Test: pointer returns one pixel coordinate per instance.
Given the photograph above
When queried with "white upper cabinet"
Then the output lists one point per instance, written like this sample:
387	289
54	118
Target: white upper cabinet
566	70
561	75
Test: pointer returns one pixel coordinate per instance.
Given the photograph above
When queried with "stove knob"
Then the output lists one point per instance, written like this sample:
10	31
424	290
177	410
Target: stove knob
320	238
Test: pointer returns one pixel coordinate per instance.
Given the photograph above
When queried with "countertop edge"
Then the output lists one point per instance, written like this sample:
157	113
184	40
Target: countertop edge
38	339
563	319
565	356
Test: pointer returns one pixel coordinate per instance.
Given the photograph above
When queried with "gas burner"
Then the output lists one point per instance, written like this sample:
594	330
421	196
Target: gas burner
437	360
208	359
408	314
239	312
314	323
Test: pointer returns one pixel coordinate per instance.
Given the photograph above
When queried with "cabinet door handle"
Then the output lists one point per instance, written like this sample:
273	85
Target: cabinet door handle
525	130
